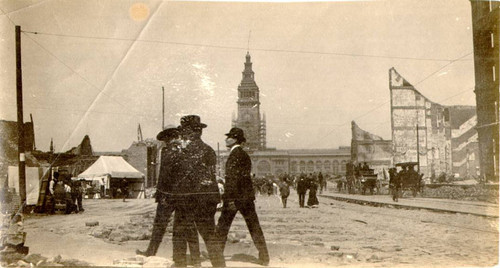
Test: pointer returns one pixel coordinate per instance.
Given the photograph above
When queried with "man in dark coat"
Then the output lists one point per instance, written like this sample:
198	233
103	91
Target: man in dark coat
165	194
201	193
321	182
284	192
239	195
302	189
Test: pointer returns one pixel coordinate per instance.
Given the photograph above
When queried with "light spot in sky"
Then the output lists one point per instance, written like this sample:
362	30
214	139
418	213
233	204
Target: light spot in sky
289	135
206	82
443	73
139	11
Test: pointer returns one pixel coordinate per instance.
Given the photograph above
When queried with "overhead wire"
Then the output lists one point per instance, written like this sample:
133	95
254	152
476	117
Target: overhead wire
449	61
237	48
384	103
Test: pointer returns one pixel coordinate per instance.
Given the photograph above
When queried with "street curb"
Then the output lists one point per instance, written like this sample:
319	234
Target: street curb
400	206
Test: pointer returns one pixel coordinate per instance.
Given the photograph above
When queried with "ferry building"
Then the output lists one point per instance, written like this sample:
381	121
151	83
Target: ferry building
270	161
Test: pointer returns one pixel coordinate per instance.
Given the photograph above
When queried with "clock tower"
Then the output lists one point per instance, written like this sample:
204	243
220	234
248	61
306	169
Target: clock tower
249	118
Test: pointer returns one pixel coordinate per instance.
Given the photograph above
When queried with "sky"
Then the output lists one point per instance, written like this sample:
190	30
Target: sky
97	68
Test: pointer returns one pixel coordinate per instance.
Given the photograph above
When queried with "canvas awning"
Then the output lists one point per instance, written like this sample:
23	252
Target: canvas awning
112	166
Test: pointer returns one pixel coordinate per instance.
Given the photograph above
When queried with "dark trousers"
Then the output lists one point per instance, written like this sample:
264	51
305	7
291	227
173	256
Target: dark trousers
185	233
302	199
163	213
77	200
283	200
202	215
247	210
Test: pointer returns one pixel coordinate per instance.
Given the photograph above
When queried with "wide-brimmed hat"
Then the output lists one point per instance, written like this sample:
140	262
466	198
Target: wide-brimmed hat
237	133
168	132
191	122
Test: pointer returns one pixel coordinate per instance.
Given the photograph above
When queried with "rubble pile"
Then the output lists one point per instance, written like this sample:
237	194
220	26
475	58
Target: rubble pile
470	193
137	228
142	261
37	260
12	235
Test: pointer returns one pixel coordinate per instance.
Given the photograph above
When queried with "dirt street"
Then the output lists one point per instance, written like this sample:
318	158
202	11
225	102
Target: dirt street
334	234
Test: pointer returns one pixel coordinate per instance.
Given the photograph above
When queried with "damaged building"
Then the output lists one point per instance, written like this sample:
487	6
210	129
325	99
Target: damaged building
447	139
370	148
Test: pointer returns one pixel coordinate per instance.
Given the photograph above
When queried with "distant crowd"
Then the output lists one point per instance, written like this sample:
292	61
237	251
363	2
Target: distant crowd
65	195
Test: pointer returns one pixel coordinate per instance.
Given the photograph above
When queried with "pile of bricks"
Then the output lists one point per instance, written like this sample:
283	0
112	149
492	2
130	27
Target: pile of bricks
12	235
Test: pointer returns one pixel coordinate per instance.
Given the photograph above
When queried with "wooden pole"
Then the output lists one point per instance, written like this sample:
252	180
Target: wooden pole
418	153
162	108
20	122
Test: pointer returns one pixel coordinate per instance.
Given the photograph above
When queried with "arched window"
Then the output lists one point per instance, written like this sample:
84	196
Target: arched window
342	166
335	167
293	167
328	167
302	166
319	165
263	167
310	166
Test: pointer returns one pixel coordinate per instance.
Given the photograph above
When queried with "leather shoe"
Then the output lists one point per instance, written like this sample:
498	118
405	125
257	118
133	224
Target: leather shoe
264	261
143	253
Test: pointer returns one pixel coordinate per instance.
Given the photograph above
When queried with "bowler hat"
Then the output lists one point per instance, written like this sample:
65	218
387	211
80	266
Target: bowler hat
236	133
167	132
191	122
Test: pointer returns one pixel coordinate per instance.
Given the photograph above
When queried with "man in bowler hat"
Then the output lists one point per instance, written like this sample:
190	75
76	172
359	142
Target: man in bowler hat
166	196
200	190
239	195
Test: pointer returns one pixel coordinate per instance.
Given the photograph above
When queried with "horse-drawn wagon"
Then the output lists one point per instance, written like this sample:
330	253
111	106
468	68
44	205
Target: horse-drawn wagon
409	178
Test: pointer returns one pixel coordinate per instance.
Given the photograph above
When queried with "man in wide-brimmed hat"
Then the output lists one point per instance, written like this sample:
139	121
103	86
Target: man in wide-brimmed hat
201	192
170	176
239	195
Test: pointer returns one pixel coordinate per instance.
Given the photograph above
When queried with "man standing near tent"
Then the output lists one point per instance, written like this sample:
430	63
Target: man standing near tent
199	161
168	179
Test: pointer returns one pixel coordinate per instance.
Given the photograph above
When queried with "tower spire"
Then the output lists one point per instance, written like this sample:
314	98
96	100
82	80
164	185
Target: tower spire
248	44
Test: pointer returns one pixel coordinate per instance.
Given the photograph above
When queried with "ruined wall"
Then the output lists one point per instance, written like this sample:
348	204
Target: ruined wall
370	148
410	111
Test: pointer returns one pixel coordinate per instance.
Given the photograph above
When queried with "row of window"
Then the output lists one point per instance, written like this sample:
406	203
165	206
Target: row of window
334	167
247	94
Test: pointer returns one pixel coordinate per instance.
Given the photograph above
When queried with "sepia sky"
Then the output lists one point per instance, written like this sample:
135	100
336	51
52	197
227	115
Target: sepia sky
97	67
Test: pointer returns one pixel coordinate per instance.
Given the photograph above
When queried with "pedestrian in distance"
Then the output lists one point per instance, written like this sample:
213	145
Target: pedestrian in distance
239	195
199	186
312	200
77	196
321	182
302	189
124	189
284	192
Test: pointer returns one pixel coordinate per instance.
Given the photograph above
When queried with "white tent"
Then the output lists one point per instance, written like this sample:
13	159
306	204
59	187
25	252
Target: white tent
114	166
109	170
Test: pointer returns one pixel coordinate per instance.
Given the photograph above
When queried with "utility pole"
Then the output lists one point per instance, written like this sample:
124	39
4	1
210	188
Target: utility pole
418	153
162	108
20	122
218	159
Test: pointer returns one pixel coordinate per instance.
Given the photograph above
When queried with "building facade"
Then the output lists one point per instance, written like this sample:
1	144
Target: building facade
418	125
269	161
486	34
464	140
249	118
145	156
331	162
371	149
447	139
